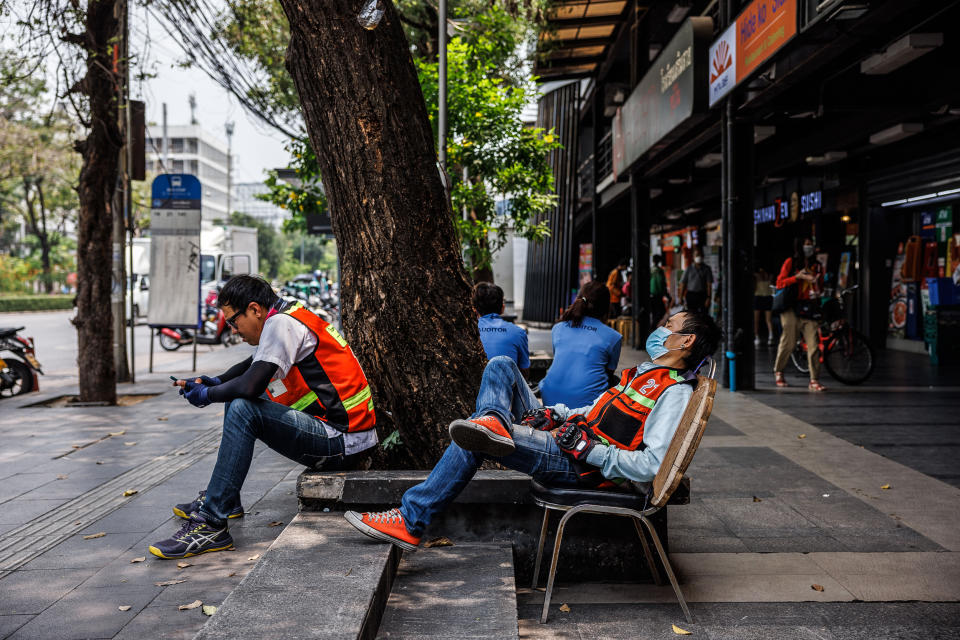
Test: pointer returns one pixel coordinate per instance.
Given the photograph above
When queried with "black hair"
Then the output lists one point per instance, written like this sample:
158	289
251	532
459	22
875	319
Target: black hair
708	336
657	259
241	290
487	298
800	260
593	300
624	262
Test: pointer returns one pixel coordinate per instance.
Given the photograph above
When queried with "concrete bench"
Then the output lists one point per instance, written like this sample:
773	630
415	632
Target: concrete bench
496	506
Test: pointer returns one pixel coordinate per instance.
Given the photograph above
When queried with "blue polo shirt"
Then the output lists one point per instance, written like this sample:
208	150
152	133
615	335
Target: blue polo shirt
581	358
502	338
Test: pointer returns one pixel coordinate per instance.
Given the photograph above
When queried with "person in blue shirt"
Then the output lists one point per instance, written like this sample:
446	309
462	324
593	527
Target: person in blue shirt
585	350
499	337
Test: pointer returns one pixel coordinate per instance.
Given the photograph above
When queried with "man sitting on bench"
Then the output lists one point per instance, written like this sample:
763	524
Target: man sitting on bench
622	436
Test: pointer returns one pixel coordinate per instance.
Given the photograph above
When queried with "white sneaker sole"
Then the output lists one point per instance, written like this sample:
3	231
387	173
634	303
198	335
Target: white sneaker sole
356	520
473	437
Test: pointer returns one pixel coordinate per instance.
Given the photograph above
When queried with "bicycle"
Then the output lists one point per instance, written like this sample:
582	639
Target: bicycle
844	351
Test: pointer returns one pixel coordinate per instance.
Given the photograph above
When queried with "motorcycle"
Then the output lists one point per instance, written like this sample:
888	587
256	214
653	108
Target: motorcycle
18	375
213	330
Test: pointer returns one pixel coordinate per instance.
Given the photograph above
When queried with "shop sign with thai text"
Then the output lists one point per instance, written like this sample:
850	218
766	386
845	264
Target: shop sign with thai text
757	33
670	92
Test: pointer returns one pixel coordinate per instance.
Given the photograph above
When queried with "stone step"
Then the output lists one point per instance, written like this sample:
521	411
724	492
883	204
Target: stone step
454	593
319	579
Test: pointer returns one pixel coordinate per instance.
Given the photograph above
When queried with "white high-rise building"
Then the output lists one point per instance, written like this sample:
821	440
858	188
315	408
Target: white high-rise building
245	201
194	150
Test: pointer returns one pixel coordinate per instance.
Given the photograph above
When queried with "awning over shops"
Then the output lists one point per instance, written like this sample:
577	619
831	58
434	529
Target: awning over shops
578	37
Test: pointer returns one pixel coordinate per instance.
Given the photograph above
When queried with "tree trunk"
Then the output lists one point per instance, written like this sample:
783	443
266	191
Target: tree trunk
405	298
98	178
44	241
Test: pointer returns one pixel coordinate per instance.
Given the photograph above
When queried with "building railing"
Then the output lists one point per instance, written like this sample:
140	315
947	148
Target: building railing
604	164
585	182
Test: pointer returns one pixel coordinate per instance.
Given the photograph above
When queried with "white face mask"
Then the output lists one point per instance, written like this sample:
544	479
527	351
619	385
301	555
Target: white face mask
697	259
808	250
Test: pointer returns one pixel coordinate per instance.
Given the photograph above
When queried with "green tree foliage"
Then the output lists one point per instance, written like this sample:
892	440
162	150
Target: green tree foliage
271	246
488	86
302	196
38	169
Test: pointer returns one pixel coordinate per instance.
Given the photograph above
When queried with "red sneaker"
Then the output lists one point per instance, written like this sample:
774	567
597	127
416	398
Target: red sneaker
384	525
484	434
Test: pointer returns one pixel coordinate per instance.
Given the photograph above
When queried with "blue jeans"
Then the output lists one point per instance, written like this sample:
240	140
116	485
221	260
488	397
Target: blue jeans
505	393
291	433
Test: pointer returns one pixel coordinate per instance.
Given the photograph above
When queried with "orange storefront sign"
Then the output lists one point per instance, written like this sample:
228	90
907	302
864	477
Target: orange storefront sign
763	27
758	32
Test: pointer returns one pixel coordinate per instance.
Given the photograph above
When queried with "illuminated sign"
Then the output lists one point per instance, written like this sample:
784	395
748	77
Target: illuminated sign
758	32
779	211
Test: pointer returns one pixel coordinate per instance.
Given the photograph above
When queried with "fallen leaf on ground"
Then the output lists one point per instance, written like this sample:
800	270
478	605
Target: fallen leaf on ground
62	476
816	587
167	583
442	541
231	574
76	446
681	632
254	557
95	535
756	499
209	609
130	492
349	571
129	444
77	523
565	608
183	565
140	559
275	523
124	607
162	419
885	487
801	436
192	605
99	462
118	433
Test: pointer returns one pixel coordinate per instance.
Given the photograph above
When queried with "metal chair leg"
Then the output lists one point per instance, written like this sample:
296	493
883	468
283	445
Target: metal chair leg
543	537
657	578
553	563
667	567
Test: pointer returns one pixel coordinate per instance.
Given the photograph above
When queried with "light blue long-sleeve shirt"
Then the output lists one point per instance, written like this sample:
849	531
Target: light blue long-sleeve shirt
658	429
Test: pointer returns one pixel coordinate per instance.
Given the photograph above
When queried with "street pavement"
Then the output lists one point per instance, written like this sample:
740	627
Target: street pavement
854	490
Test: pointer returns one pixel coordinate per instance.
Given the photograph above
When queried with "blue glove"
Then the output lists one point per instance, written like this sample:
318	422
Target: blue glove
197	395
210	381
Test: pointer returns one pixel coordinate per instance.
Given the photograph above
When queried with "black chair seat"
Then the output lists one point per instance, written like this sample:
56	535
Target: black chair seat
572	496
9	331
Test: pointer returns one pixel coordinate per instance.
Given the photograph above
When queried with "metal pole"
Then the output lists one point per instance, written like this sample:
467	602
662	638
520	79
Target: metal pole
229	128
166	142
151	349
128	195
195	334
442	98
726	191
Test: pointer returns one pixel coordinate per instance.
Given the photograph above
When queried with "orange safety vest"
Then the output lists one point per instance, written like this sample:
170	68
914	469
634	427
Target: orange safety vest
329	383
618	417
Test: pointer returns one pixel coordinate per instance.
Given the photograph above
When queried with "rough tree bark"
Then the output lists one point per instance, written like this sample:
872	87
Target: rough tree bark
406	298
98	177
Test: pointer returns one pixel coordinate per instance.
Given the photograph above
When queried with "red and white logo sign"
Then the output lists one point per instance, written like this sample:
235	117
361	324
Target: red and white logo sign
723	65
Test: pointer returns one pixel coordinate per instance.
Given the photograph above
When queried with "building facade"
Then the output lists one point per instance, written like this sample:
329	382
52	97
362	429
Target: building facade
194	150
245	201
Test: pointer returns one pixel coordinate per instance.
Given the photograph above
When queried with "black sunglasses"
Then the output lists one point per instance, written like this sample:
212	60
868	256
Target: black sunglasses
232	320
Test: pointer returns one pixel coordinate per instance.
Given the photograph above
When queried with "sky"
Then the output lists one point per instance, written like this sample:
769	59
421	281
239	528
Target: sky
257	148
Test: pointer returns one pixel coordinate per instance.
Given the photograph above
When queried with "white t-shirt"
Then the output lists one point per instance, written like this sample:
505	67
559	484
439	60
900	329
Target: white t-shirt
285	341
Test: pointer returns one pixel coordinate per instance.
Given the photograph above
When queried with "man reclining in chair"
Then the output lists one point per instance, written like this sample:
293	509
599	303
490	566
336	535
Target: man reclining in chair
622	436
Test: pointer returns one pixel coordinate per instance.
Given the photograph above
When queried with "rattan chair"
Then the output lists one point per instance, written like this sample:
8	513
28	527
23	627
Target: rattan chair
633	505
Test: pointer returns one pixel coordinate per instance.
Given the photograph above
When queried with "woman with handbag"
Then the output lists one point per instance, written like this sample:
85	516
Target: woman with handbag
798	299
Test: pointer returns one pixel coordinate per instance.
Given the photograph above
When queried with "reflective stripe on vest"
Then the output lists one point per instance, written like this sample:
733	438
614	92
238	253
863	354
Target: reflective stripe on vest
329	383
619	417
